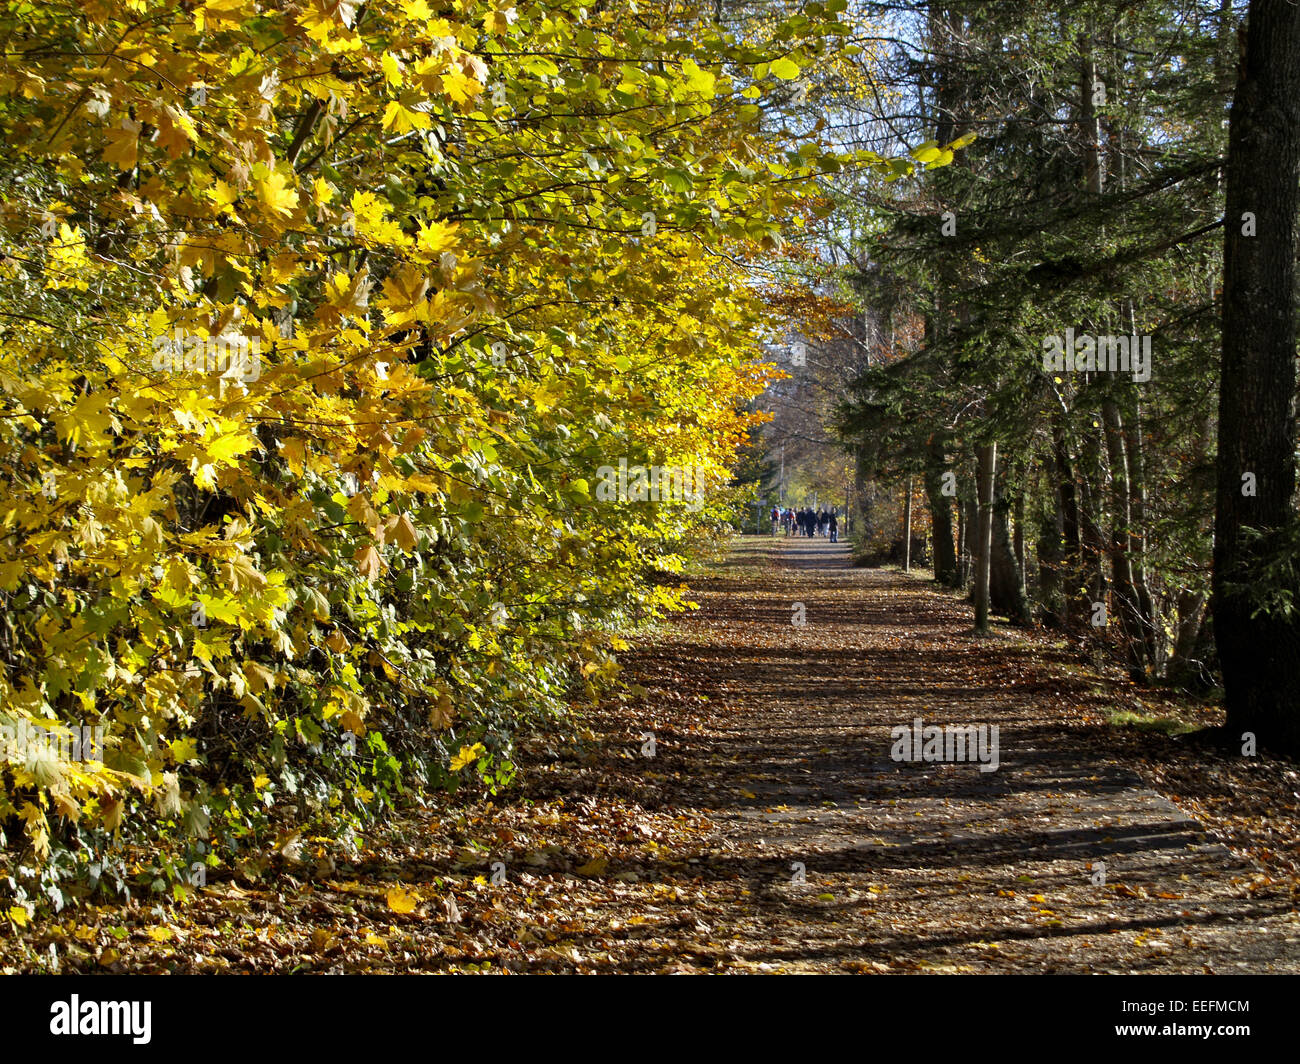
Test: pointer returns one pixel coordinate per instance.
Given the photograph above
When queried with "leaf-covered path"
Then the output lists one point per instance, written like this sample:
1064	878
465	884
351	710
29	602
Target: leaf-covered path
932	866
771	747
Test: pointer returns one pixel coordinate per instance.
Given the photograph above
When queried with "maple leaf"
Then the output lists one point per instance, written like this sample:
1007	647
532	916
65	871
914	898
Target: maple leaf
123	144
500	19
215	14
392	67
275	193
88	418
349	295
400	900
459	86
402	119
436	237
176	132
362	512
183	750
241	574
222	195
404	533
404	299
259	677
467	756
475	67
226	448
369	562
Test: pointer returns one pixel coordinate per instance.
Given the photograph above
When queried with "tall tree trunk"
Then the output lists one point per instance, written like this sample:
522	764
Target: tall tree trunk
1095	183
860	520
1259	649
1156	647
907	528
963	541
1184	668
1129	498
1018	542
1071	533
945	558
1006	582
986	459
1051	555
1132	623
1093	546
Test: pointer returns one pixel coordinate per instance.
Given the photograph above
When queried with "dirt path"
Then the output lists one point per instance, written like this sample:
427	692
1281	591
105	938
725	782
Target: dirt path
926	866
670	834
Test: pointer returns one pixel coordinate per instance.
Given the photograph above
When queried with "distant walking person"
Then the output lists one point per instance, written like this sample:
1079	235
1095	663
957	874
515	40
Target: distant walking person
776	519
835	528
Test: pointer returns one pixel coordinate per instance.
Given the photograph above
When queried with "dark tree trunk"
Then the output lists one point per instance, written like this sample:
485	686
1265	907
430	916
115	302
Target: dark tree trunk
1018	541
1259	650
1093	545
1133	622
1156	644
1185	668
987	455
1006	582
907	528
945	558
963	541
861	502
1071	569
1051	556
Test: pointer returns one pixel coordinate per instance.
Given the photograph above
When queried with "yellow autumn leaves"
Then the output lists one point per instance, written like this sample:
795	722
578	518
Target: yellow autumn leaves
430	234
466	756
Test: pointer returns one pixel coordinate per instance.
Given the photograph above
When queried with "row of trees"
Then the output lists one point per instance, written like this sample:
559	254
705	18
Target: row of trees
1131	201
320	320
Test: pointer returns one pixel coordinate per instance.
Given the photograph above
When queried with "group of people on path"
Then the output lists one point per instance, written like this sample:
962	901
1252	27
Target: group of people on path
806	522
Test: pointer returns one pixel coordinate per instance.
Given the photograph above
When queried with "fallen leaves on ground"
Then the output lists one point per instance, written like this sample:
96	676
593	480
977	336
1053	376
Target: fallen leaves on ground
771	832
